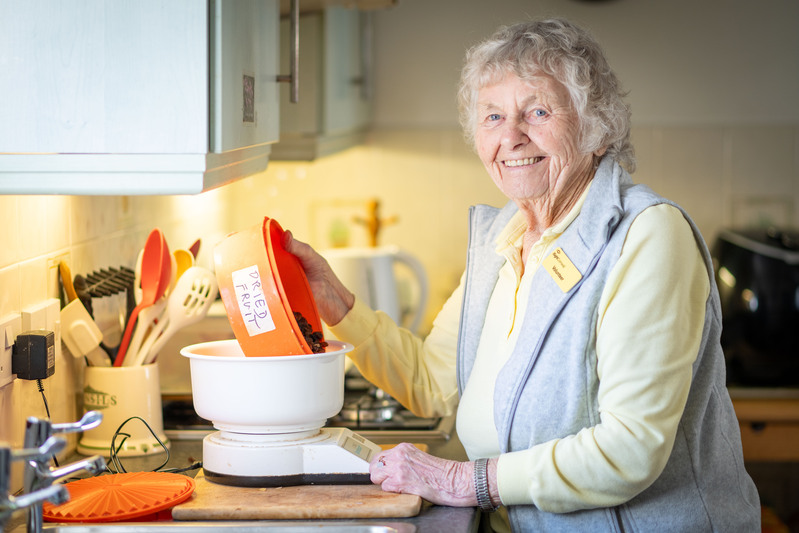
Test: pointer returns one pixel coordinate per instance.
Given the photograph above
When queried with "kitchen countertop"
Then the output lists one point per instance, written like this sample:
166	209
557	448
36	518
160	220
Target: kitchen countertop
763	393
184	453
769	422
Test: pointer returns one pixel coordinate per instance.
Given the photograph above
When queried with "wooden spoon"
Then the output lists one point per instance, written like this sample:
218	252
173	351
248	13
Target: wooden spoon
156	272
66	281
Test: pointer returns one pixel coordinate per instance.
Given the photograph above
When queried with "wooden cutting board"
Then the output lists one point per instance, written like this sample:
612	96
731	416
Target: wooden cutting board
212	501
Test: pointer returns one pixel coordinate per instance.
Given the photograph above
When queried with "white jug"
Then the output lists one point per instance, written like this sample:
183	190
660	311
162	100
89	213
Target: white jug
370	274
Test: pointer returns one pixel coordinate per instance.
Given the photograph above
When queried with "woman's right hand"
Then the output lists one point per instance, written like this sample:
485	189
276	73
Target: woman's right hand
407	469
333	299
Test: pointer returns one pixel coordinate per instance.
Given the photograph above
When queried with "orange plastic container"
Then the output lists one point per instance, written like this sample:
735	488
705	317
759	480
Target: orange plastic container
261	285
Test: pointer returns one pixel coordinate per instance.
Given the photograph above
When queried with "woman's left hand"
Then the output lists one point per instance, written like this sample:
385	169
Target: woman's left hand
333	299
407	469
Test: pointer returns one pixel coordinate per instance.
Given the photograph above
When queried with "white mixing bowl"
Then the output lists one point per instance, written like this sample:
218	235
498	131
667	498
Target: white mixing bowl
266	395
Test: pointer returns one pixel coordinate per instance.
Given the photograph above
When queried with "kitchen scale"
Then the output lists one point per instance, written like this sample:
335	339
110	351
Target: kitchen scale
328	456
270	391
269	414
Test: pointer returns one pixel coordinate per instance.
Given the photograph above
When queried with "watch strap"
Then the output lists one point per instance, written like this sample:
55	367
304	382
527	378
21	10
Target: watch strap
481	485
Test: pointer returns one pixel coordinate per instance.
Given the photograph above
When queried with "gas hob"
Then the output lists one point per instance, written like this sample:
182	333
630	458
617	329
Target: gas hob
369	413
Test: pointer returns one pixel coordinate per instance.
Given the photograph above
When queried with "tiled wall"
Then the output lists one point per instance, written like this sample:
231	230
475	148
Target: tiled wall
427	178
88	233
730	176
723	176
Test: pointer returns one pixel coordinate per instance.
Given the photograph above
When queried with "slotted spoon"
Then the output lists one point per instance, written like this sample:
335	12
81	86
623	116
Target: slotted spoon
188	303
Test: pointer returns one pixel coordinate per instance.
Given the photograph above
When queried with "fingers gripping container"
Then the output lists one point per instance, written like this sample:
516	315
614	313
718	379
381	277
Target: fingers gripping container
262	285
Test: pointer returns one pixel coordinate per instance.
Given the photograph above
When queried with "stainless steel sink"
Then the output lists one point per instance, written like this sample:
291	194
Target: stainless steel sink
317	526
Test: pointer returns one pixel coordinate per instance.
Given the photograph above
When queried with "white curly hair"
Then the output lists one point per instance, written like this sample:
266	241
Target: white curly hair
574	58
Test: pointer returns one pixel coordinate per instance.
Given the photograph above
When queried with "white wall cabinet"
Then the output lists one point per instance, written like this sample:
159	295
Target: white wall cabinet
335	102
136	96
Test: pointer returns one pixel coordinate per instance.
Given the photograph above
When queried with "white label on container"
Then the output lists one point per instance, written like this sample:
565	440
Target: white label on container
251	300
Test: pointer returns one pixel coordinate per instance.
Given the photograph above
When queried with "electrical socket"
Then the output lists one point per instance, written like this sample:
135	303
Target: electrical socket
44	315
10	327
52	319
35	316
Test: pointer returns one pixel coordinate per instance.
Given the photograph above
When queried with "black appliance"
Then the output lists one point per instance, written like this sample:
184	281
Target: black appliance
757	272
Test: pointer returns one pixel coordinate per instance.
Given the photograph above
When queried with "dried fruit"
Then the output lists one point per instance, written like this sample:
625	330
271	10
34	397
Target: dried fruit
315	339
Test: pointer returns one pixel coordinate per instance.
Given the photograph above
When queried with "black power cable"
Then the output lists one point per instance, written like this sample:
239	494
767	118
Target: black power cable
114	452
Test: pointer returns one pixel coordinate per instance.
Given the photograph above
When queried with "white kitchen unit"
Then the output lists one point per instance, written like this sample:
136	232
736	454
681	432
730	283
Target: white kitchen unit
136	97
335	100
316	5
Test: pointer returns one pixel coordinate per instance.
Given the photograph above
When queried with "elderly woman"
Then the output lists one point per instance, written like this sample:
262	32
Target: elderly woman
581	348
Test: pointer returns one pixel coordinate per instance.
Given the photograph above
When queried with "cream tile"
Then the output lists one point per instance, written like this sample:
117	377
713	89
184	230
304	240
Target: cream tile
93	216
200	216
110	251
762	210
9	290
33	281
690	161
32	228
646	170
762	160
10	250
57	219
762	172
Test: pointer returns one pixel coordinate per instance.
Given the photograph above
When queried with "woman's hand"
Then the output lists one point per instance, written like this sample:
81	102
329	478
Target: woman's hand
407	469
333	300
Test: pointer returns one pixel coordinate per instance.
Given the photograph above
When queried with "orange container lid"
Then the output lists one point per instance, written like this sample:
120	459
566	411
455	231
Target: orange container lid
262	285
295	291
117	497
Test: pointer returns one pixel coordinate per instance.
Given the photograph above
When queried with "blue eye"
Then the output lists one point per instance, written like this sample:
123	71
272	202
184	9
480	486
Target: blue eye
539	113
493	117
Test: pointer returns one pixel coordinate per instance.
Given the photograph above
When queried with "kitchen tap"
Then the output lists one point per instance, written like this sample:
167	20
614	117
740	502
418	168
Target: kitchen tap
39	474
94	465
54	493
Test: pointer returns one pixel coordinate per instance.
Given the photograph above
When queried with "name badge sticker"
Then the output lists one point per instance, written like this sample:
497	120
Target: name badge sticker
562	270
252	302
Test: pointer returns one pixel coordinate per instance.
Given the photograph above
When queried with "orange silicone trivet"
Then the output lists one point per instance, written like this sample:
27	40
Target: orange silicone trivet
116	497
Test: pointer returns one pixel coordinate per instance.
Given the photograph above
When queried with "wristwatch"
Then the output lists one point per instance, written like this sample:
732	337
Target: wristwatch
481	485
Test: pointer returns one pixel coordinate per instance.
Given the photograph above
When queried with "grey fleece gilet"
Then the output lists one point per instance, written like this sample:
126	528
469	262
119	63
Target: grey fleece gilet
548	387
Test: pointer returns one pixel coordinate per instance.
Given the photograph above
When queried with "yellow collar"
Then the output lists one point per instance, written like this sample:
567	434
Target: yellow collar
509	239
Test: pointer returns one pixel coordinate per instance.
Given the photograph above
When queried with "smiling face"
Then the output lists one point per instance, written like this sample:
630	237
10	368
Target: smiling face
527	137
